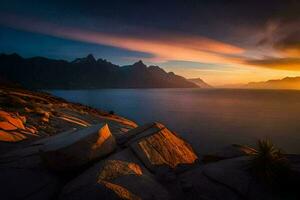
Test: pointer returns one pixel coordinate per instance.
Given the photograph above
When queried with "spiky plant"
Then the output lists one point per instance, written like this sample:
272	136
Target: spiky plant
268	162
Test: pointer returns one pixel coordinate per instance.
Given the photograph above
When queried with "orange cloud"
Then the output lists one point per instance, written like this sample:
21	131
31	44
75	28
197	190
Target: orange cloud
290	64
176	47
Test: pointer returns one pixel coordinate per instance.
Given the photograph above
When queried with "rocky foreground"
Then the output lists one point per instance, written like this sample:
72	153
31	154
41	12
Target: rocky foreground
53	149
26	116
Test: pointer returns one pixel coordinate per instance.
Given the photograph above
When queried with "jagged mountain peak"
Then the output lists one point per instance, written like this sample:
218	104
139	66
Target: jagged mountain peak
88	59
91	58
139	64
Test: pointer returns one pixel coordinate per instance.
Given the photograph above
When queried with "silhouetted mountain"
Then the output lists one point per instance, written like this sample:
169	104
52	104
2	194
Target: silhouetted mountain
85	73
285	83
199	82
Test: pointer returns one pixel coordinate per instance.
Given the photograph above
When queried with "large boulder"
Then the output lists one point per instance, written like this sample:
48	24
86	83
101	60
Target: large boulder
120	176
158	148
196	185
231	151
235	150
140	131
75	149
227	179
295	165
28	183
22	176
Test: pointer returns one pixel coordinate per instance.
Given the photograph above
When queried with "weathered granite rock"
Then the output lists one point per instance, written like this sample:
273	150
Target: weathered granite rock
231	151
196	185
140	131
13	121
75	149
225	180
295	164
9	125
11	136
235	150
158	147
27	116
23	177
28	183
46	140
120	176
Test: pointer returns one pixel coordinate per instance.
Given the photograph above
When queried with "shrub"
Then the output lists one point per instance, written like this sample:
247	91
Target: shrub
269	163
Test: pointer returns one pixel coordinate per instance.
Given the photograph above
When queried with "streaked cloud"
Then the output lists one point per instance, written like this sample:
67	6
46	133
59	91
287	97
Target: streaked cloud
220	42
291	64
173	47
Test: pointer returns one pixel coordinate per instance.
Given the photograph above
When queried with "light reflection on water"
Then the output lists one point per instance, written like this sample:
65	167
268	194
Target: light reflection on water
208	119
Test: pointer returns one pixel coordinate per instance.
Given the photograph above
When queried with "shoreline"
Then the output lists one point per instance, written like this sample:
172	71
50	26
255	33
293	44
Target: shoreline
122	159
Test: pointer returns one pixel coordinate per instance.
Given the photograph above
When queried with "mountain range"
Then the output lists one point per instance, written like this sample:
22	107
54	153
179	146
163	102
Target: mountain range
85	73
89	73
285	83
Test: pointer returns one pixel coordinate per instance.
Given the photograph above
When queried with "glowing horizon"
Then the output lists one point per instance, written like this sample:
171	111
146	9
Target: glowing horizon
231	55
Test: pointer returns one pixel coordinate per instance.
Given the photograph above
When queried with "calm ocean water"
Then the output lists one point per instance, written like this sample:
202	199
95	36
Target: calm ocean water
208	119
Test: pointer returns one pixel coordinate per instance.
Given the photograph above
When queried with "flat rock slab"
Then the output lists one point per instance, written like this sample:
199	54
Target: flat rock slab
138	132
158	148
33	184
195	185
120	176
233	174
75	149
234	151
22	176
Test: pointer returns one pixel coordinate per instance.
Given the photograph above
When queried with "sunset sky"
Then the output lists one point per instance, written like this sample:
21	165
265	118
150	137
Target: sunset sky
222	42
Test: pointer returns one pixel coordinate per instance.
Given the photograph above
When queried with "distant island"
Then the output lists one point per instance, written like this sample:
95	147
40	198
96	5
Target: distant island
285	83
87	73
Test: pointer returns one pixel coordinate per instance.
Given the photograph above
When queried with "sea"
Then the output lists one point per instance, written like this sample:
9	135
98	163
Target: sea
209	119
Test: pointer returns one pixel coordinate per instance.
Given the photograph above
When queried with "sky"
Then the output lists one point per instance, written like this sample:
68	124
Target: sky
222	42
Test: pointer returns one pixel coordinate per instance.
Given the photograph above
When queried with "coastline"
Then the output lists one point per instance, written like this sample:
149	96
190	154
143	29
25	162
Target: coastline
39	114
113	157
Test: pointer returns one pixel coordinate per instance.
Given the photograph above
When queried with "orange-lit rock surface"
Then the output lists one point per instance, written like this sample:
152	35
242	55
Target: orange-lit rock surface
13	119
26	116
120	191
42	136
116	168
50	136
13	127
11	136
120	176
157	146
39	181
140	131
75	149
